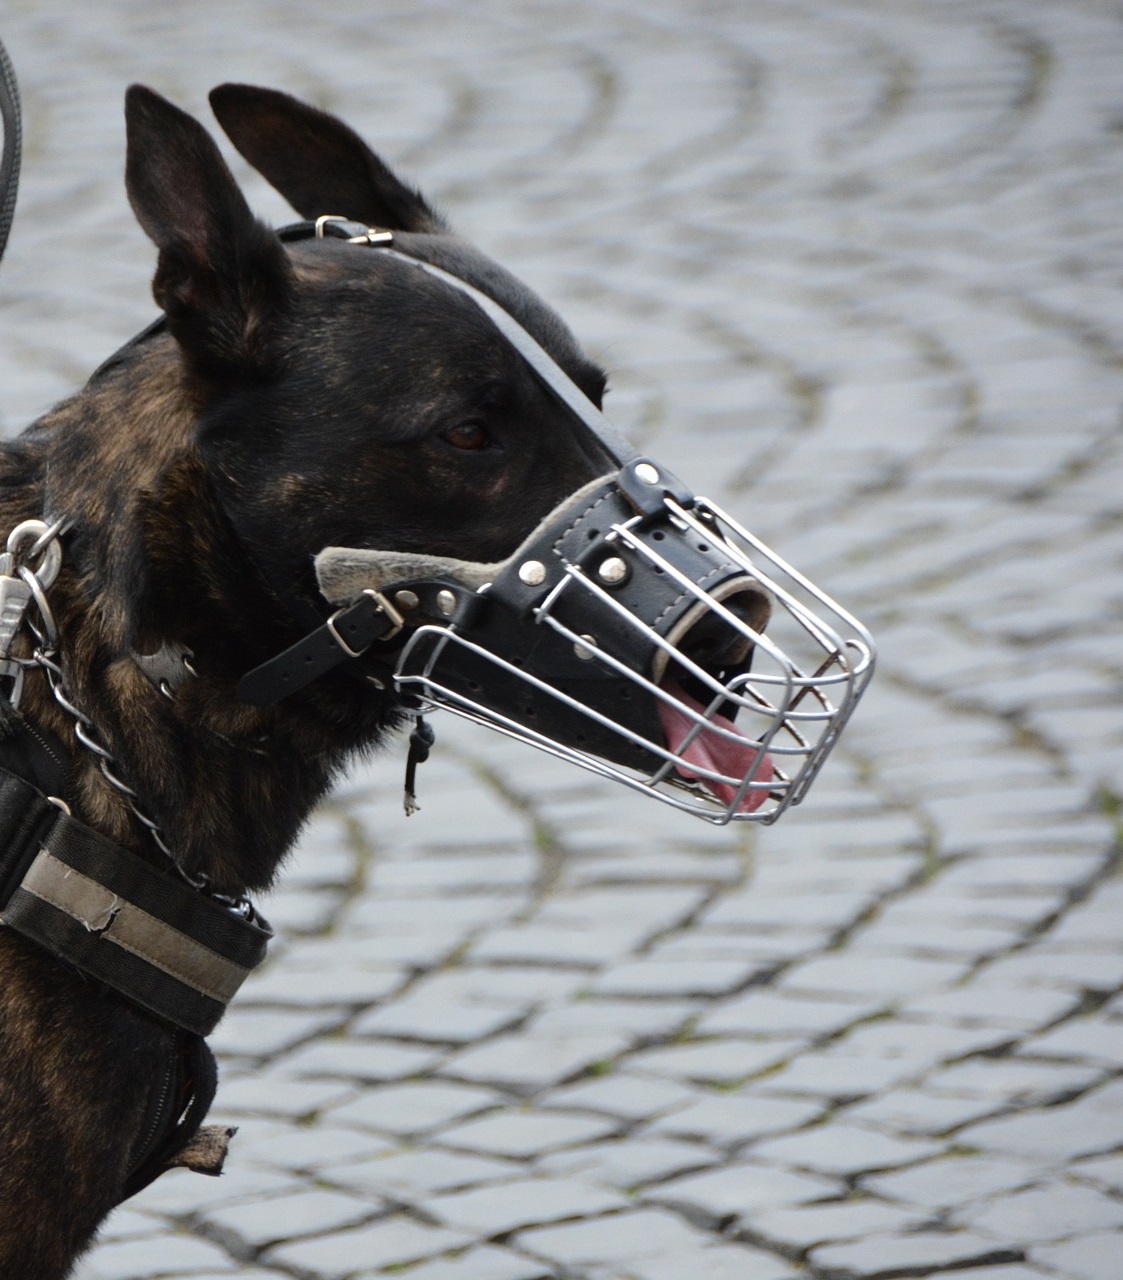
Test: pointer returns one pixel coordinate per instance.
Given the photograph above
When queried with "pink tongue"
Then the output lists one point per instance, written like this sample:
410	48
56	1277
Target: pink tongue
714	751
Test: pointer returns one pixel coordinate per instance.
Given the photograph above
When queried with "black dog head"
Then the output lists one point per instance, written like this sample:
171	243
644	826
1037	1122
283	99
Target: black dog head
344	397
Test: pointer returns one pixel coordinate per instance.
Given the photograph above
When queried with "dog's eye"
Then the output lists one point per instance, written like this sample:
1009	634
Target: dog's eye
469	435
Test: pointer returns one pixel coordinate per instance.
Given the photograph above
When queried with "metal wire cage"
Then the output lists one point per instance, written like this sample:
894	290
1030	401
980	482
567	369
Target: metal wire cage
742	744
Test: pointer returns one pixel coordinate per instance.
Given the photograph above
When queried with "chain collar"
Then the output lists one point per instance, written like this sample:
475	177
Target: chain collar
28	568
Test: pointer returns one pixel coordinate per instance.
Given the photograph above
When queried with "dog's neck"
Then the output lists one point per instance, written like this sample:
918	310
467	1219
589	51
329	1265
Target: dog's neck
151	564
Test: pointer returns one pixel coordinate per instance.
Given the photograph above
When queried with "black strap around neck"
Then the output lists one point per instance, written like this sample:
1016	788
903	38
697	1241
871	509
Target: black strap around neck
168	948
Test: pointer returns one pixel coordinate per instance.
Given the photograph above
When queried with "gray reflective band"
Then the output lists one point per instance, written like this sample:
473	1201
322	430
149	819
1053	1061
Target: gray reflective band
116	920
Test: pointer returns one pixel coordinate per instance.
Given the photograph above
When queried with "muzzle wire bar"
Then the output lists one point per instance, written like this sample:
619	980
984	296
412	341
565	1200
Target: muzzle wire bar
810	670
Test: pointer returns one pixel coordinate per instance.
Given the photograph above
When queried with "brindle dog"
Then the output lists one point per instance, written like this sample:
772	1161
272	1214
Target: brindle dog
299	396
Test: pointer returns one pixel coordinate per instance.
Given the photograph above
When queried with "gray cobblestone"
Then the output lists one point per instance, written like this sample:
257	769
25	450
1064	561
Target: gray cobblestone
854	269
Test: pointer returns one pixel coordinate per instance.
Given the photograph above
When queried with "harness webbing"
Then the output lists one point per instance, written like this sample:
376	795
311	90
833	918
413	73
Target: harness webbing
169	949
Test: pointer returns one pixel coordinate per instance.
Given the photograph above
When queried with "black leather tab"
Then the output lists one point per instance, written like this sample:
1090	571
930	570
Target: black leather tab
26	818
357	628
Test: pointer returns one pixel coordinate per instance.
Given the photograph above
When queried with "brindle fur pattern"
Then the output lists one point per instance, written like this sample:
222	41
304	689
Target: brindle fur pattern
299	397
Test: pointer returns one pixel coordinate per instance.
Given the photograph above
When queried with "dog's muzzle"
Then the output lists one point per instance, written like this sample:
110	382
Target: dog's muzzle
628	635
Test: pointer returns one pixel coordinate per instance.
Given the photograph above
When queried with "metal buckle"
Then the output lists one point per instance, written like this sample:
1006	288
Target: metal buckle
367	235
397	622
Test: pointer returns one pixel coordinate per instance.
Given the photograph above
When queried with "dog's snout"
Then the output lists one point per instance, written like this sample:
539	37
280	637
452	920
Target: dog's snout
715	643
719	632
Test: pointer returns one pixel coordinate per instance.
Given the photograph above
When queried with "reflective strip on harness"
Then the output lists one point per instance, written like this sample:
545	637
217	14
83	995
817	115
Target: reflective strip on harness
115	920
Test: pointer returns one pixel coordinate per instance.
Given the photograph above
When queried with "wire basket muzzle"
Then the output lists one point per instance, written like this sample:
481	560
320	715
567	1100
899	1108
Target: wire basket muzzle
676	654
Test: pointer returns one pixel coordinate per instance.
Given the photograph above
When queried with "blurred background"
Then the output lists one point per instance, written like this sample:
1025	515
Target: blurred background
854	267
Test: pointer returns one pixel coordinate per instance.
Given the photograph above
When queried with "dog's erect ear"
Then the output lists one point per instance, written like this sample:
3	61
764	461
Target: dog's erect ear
222	276
316	162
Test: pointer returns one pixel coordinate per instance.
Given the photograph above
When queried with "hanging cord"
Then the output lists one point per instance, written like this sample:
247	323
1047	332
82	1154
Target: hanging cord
420	742
13	145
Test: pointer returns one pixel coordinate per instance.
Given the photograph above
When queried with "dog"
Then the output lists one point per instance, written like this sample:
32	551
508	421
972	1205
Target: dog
296	395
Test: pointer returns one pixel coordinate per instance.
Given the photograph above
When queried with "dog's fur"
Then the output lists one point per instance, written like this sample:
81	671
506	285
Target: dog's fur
300	397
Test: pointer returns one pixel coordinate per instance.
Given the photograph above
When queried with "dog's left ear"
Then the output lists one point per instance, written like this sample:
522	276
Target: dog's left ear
223	277
319	164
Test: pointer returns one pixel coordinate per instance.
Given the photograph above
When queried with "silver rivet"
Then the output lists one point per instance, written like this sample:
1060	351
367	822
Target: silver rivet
406	599
613	570
647	473
583	652
446	602
533	573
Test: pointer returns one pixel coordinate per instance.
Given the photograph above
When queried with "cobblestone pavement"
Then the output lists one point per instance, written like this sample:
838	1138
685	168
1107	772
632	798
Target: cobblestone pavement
856	267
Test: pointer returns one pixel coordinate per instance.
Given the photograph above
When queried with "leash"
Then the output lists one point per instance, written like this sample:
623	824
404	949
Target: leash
13	145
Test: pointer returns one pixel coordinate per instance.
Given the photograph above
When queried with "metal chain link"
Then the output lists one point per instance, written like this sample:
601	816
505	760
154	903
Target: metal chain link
46	657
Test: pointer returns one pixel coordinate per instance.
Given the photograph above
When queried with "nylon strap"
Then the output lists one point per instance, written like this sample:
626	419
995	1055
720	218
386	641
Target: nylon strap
167	948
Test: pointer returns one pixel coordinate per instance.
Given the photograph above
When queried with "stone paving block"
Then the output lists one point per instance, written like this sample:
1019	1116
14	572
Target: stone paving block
741	1189
939	939
262	1033
1016	1008
675	978
955	1179
165	1255
501	986
841	1148
270	1096
1090	1125
413	1107
713	1061
624	1095
922	1251
414	1017
361	1061
630	1162
301	910
1069	969
616	1238
559	944
182	1194
712	1262
318	1147
1012	1079
924	1044
413	1174
918	1111
869	976
646	1019
505	1207
520	1134
813	917
129	1224
283	984
254	1225
1094	1257
1051	1211
386	1243
482	1263
813	1224
442	921
726	1119
1082	1040
1107	1171
838	1076
759	1012
533	1062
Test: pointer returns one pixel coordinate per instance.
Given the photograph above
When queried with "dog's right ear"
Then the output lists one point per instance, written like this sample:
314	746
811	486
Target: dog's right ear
319	164
223	276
